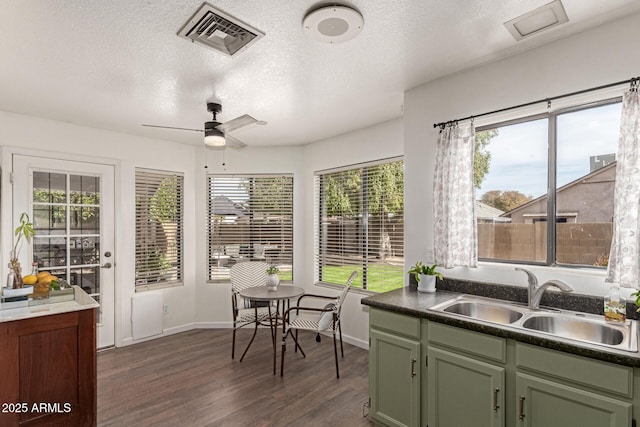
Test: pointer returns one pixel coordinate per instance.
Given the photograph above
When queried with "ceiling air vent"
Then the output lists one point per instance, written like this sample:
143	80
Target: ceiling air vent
217	30
537	20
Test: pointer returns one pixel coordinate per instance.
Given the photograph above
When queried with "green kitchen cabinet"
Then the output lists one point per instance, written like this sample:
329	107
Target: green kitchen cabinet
394	369
555	389
426	373
543	403
466	378
464	391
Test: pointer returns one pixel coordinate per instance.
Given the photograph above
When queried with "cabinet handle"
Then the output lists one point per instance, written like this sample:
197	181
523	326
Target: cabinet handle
496	406
413	367
521	408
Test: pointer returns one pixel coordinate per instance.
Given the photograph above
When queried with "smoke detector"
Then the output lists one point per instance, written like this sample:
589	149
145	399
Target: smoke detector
220	31
333	24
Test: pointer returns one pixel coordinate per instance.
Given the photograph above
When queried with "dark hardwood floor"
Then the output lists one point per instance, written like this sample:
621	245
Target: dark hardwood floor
189	379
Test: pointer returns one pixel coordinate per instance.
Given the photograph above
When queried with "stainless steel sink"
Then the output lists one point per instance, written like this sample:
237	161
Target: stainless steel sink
569	325
581	327
488	312
481	309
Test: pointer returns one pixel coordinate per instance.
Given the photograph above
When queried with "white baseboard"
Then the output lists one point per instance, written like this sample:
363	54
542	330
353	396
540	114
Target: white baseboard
213	325
165	333
223	325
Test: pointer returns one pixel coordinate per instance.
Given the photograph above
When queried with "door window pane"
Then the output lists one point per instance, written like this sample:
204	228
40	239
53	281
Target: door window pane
85	190
49	187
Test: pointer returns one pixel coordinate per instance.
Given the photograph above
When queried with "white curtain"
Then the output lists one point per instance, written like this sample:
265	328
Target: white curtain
455	236
624	257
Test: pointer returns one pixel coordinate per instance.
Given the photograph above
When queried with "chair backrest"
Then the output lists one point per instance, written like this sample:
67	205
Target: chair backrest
248	274
344	292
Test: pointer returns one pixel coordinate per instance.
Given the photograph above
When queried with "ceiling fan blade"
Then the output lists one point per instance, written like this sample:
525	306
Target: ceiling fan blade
234	143
171	127
237	123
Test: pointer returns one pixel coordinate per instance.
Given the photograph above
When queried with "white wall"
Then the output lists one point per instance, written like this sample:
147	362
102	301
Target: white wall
381	141
19	133
592	58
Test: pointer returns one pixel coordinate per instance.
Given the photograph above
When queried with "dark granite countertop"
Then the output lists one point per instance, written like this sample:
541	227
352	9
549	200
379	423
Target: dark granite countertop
418	304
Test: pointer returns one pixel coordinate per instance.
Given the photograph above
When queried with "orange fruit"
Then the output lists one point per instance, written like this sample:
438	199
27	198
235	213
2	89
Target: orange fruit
43	274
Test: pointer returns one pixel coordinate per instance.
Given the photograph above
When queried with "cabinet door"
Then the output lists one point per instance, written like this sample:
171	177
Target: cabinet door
394	379
464	391
543	403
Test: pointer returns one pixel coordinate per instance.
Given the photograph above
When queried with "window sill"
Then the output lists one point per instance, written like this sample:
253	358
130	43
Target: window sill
340	287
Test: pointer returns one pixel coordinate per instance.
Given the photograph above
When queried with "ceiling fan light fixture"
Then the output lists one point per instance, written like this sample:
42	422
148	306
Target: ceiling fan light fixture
214	138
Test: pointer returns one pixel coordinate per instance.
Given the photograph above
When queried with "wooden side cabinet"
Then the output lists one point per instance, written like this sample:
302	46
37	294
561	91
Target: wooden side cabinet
48	371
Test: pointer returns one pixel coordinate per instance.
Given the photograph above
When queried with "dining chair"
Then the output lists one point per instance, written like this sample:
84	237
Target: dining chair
245	275
316	319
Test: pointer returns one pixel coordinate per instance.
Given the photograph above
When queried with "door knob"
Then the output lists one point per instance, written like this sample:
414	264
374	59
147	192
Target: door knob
106	265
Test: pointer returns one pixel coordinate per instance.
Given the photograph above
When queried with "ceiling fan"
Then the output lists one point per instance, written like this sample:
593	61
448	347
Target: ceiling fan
216	134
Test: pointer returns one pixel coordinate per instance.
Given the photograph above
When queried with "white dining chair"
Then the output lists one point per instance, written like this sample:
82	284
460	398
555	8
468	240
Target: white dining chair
316	319
245	275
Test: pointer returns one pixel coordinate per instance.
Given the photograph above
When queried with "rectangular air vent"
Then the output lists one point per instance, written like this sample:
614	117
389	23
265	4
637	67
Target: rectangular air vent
537	20
217	30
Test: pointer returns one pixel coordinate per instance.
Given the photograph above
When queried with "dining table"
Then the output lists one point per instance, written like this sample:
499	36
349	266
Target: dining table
281	296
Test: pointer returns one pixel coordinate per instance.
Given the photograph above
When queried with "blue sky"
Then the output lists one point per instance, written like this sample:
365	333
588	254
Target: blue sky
519	152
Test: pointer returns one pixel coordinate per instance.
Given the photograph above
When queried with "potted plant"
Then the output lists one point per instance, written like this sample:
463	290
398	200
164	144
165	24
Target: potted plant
636	295
425	276
273	280
24	230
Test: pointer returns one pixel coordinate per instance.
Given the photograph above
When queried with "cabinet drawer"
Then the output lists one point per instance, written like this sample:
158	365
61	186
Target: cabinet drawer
471	342
581	370
394	322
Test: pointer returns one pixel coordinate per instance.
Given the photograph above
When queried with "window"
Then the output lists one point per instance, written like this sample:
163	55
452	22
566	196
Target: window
250	219
159	213
545	187
359	222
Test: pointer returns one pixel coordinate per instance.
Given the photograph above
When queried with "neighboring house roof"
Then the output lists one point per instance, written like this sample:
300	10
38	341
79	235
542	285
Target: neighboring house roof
484	211
580	180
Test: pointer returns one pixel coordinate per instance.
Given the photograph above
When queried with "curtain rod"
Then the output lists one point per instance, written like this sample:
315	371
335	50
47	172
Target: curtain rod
634	82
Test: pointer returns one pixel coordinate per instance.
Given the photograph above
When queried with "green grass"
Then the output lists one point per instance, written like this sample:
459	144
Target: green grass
380	277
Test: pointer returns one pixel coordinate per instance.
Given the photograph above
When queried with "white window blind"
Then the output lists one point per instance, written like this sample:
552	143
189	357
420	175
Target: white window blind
159	224
359	225
250	218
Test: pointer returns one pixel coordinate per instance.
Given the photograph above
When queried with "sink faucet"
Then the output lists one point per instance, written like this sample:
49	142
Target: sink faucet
536	291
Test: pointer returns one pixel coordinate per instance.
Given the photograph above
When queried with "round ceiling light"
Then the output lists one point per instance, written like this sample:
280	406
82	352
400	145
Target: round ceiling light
333	24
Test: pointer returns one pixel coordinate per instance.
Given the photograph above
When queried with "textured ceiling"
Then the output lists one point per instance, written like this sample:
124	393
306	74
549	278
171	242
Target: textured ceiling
115	64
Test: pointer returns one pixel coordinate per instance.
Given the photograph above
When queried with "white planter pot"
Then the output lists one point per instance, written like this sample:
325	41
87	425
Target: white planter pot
273	280
427	283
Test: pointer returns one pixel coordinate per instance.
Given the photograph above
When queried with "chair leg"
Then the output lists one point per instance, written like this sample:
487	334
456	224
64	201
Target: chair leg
233	343
284	348
340	331
295	339
255	330
335	351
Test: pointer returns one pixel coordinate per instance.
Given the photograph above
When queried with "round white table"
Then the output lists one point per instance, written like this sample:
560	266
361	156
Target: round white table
261	293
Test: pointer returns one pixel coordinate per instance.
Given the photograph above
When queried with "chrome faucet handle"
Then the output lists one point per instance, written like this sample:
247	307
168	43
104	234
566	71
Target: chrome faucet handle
533	280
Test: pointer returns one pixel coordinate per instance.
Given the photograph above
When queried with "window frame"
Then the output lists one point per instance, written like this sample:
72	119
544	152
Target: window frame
319	203
552	144
209	217
179	259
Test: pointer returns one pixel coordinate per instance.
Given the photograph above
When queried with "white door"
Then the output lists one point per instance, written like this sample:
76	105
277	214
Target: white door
71	205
